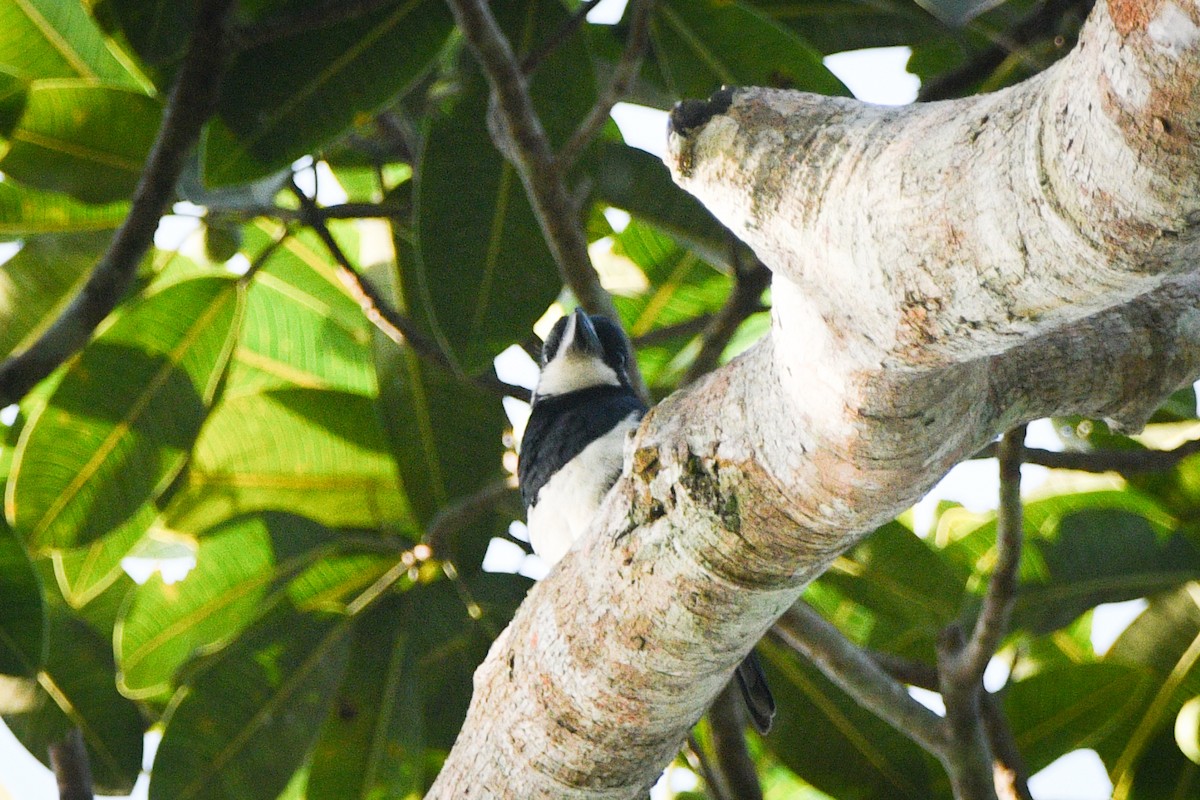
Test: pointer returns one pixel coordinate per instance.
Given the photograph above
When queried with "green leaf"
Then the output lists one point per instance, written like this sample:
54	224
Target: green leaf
1100	556
834	26
23	611
1163	640
25	211
83	573
1179	407
94	455
77	689
1066	708
1162	773
157	29
314	452
284	98
703	45
236	567
908	590
57	39
247	721
373	745
14	93
482	274
832	742
88	141
37	281
638	182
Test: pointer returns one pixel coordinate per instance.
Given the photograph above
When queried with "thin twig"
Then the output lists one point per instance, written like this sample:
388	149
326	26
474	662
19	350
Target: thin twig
314	17
727	729
72	768
452	518
627	68
339	211
535	57
191	102
1125	462
749	284
851	668
528	149
397	327
1010	773
1027	31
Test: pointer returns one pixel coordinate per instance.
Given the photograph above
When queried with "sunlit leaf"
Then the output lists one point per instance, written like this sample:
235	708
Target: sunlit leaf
246	722
93	456
57	39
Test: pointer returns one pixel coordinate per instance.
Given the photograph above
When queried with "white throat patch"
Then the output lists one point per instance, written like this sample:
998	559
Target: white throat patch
571	372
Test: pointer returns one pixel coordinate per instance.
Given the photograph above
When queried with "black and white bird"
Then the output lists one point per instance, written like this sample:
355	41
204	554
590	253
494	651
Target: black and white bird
573	449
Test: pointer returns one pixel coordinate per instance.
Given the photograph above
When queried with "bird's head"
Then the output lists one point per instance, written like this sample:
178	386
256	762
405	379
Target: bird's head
583	352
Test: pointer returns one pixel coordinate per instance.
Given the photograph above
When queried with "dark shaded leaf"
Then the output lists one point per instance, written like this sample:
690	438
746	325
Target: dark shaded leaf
22	612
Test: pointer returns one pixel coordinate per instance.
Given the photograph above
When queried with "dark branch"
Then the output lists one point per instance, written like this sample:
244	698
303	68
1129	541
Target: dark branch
626	70
851	668
397	327
191	102
535	57
310	18
1125	462
72	769
727	730
749	284
525	144
1037	25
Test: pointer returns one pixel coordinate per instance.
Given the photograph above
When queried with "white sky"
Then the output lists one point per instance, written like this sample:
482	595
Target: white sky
876	76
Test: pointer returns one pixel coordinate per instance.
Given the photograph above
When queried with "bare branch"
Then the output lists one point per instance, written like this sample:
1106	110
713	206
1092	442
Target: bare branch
852	669
626	70
1126	462
733	763
72	769
535	57
397	327
191	102
452	518
528	149
1009	772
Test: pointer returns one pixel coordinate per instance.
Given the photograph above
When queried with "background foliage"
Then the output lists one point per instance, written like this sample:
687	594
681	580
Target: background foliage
338	491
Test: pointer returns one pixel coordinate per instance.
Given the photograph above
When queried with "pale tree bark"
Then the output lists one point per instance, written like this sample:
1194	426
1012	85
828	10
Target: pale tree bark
942	272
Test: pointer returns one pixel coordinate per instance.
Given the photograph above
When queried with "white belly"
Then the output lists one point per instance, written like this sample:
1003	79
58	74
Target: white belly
568	501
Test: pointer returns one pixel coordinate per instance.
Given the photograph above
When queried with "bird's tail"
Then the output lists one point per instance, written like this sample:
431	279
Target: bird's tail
755	691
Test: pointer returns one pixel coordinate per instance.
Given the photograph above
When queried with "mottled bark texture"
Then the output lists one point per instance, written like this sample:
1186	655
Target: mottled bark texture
941	273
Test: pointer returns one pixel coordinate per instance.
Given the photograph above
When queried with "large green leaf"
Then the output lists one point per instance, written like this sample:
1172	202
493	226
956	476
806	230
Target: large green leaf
25	211
373	746
120	424
83	573
483	274
22	612
702	45
314	452
76	688
638	182
236	567
39	280
57	39
157	29
1101	556
835	744
1074	706
247	721
1165	642
286	97
88	141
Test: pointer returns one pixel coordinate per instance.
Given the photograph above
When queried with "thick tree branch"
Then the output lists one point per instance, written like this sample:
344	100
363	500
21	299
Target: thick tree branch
191	102
941	273
396	326
72	768
618	86
526	145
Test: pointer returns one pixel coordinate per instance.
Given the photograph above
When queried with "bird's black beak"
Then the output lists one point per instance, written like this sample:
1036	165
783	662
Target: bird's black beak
583	335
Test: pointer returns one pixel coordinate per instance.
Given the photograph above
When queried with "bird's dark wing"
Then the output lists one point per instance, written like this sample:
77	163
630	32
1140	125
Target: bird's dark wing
560	426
